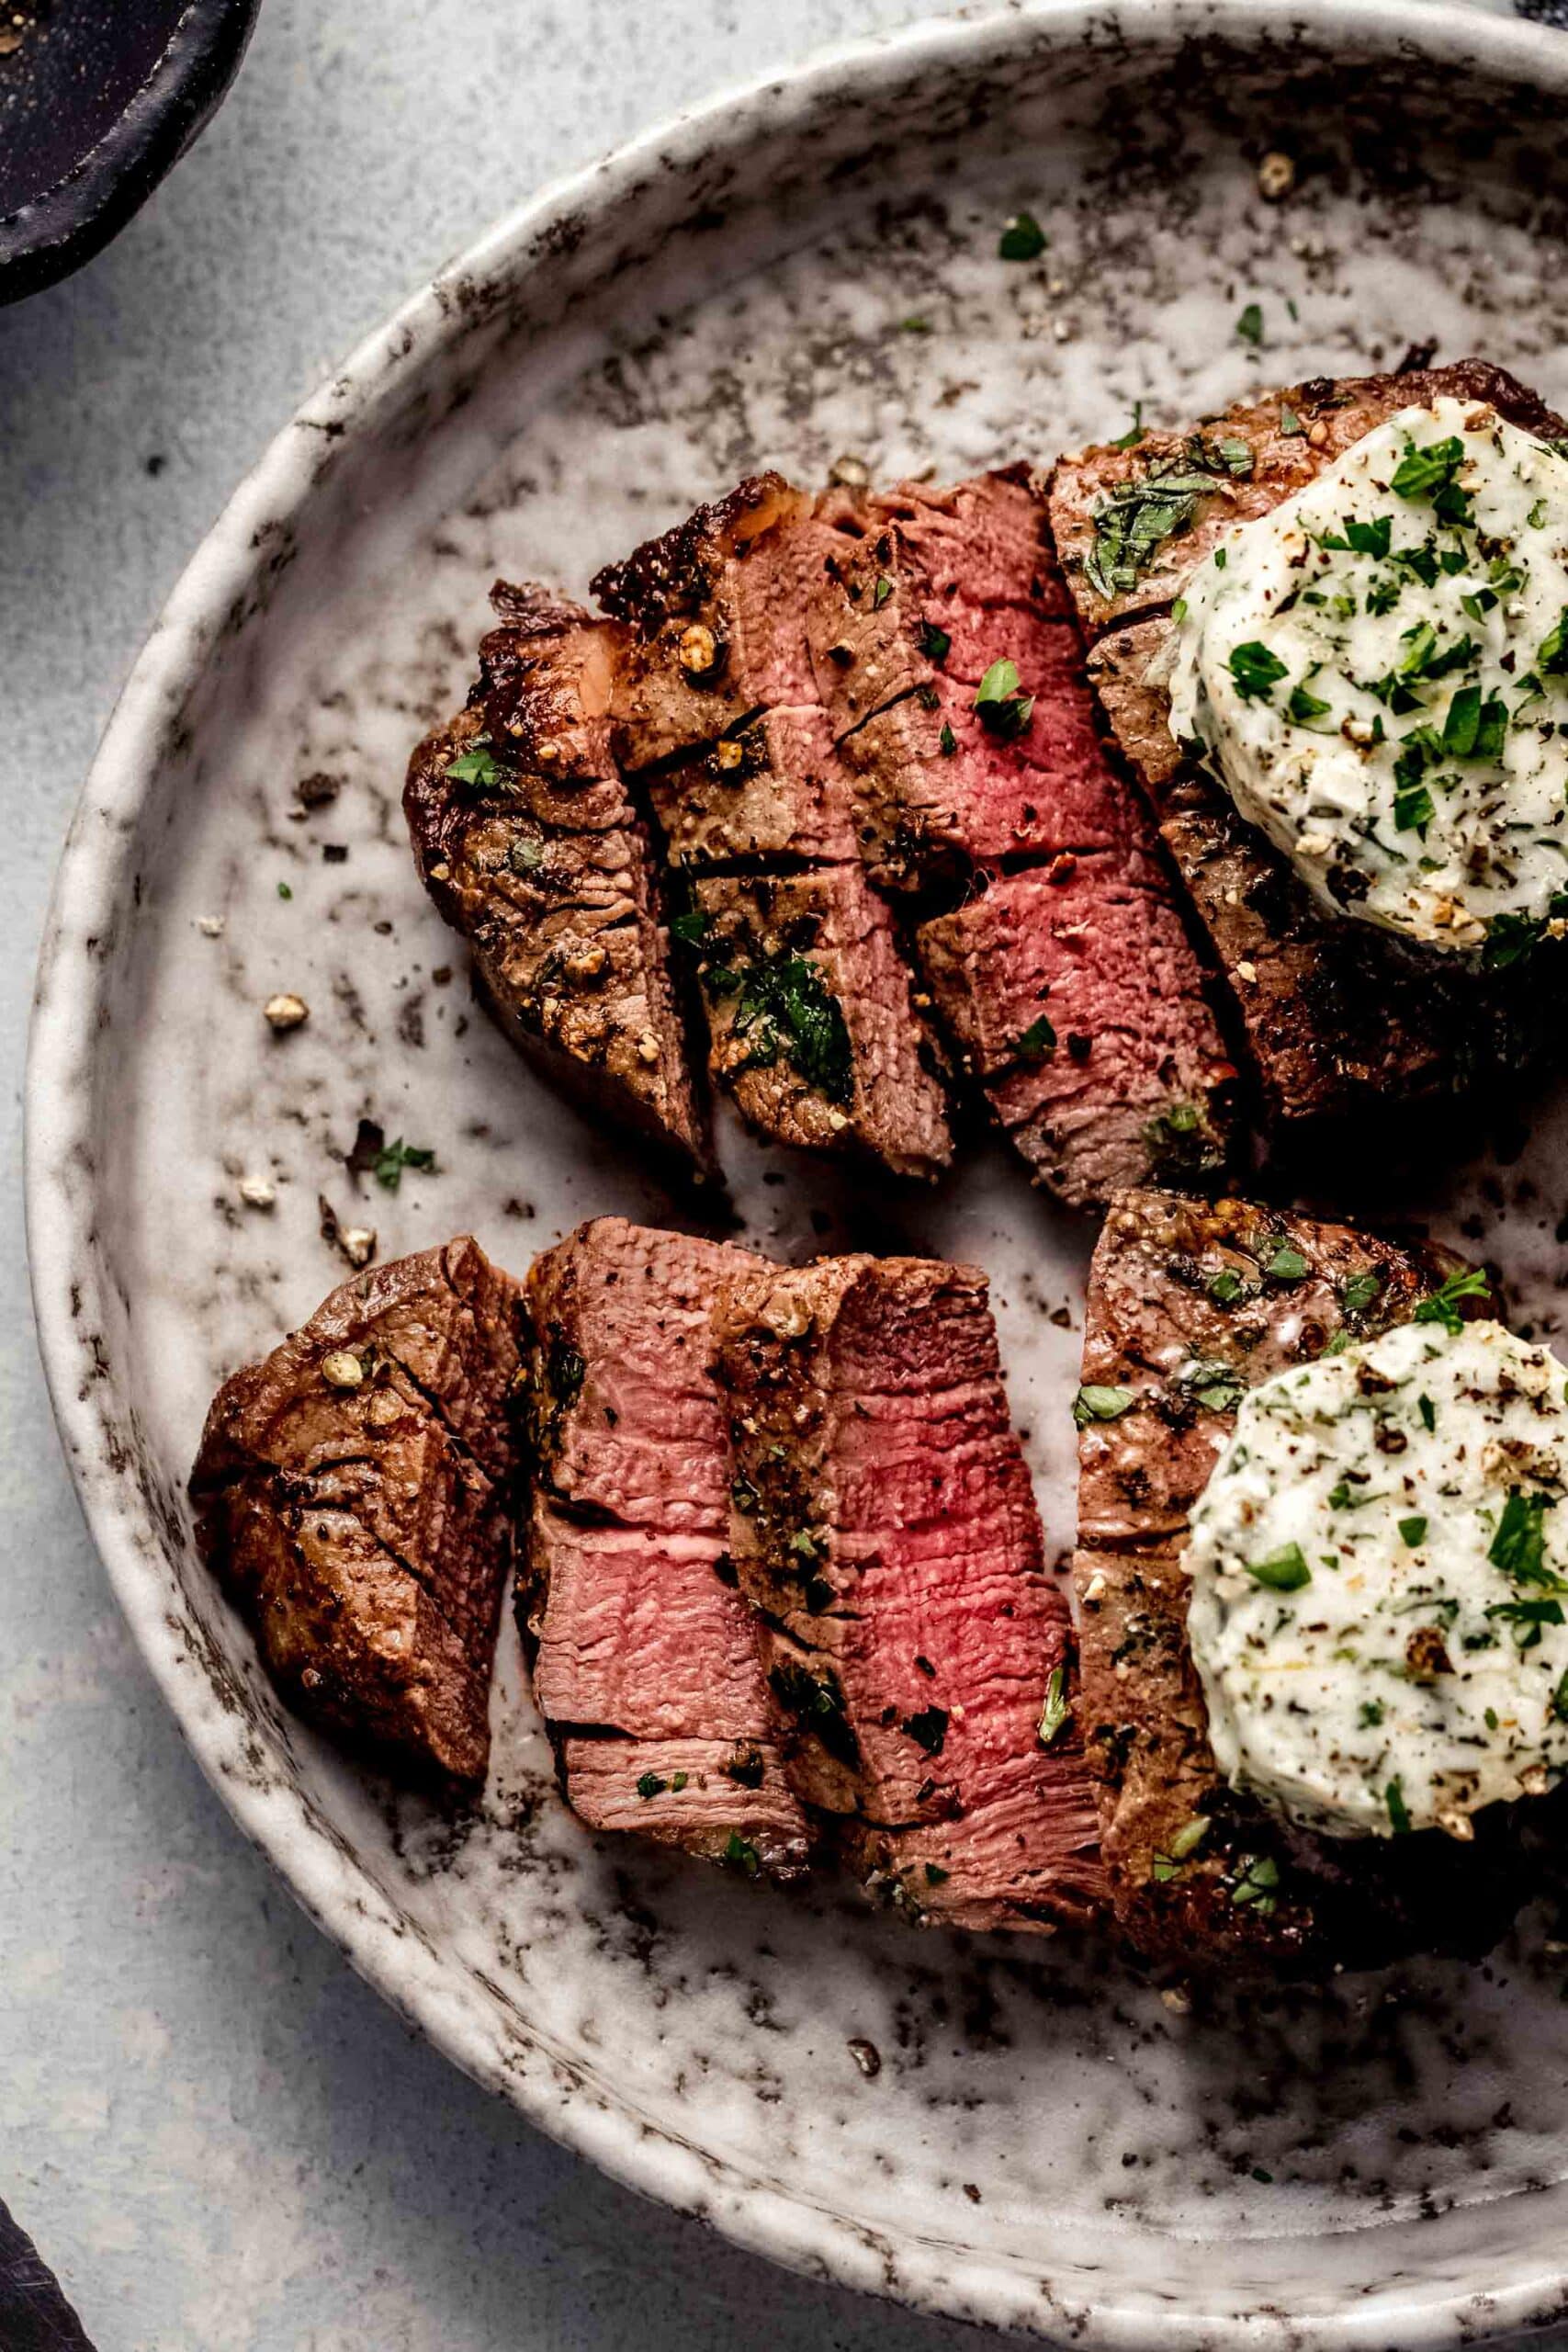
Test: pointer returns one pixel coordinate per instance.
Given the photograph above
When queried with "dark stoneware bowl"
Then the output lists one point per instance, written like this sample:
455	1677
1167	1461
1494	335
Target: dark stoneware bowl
98	101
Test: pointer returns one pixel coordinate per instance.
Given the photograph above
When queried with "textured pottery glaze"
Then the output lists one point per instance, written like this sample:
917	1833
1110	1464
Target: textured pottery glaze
1018	2132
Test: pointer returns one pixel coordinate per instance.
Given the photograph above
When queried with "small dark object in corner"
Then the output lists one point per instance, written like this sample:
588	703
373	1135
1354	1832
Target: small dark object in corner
34	2314
1418	356
98	102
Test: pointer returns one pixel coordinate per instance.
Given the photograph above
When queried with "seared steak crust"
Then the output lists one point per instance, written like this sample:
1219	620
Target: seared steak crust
883	1524
1154	1327
354	1496
534	853
647	1668
715	611
1339	1018
1288	437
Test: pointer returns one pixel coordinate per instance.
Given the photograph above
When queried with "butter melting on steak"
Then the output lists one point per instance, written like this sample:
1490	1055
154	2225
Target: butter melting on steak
1191	1304
647	1668
1339	1018
354	1498
884	1526
525	839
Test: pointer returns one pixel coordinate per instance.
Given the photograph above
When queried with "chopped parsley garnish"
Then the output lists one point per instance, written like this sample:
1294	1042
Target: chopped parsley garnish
1370	1713
1134	522
1442	1305
1553	658
1000	707
1236	458
1182	1847
1398	1810
1427	1411
1249	326
1099	1404
650	1785
936	1875
691	926
742	1855
1023	239
1291	425
1413	1532
1282	1571
1304	708
1360	1292
947	742
1256	669
817	1703
393	1158
1519	1547
881	593
1056	1713
1414	808
1037	1041
565	1369
1475	729
1134	433
284	891
1560	1700
934	643
786	1008
1225	1287
476	766
1527	1617
927	1729
1257	1887
1214	1386
1431	473
1287	1265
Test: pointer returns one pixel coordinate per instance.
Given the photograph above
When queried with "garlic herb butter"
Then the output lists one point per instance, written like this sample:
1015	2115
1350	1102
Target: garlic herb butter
1380	1575
1377	673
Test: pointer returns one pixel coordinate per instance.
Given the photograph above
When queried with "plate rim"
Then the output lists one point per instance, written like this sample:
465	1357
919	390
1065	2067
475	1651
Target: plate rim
89	887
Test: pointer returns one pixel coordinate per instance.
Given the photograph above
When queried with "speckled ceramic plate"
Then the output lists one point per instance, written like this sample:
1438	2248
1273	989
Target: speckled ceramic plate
1012	2132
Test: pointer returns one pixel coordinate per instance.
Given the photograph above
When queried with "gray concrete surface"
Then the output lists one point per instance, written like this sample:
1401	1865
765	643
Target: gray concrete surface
221	2140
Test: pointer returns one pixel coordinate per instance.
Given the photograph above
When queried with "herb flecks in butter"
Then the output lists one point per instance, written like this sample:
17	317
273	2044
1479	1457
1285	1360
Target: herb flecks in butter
1380	1569
1377	670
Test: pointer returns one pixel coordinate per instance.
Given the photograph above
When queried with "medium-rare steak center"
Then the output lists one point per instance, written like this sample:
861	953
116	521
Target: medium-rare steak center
882	1523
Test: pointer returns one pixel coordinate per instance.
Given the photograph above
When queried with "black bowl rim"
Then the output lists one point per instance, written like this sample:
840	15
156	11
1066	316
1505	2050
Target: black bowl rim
64	225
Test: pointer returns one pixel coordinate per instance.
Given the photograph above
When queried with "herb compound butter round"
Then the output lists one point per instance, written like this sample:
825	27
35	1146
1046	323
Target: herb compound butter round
1380	1569
1377	672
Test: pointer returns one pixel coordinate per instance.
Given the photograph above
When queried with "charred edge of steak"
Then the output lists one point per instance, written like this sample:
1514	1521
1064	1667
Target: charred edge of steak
1203	1873
573	956
673	576
355	1492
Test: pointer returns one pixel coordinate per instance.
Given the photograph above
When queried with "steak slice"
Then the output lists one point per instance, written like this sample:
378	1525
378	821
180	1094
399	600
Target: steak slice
354	1496
775	793
813	1024
647	1668
1341	1019
525	839
1075	999
714	613
1183	1851
883	1524
1235	466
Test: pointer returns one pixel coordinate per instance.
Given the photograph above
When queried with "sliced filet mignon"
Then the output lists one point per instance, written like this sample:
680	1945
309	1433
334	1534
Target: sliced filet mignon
814	1029
354	1495
883	1524
1074	998
525	839
1183	1316
647	1665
